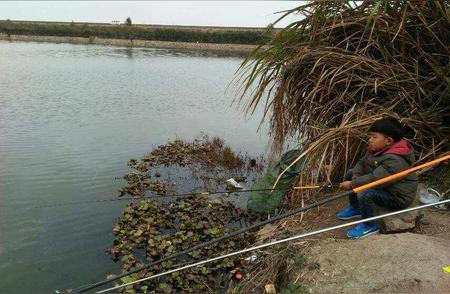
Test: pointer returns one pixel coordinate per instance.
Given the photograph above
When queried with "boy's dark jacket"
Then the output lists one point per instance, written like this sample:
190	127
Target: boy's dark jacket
374	166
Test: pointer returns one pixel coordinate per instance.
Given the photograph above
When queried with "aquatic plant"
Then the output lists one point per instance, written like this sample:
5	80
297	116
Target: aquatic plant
210	154
148	231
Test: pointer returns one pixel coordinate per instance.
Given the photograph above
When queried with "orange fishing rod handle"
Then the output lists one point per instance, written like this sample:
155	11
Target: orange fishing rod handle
400	174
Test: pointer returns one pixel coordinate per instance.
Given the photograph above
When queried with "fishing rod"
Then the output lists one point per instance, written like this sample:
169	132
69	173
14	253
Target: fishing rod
204	193
271	220
216	240
328	229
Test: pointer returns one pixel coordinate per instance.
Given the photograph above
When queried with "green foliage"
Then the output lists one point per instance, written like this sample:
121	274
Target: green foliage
163	229
128	21
149	230
300	261
294	289
134	32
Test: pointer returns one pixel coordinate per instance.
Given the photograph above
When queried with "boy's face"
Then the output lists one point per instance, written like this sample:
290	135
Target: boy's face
378	141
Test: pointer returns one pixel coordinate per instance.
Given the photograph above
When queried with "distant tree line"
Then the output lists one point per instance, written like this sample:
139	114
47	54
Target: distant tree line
134	32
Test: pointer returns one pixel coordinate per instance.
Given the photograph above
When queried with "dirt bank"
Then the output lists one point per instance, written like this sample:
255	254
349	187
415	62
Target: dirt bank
238	49
332	263
400	263
394	263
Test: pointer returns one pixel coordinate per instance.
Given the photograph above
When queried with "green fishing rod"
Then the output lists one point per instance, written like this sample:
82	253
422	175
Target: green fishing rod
399	175
204	193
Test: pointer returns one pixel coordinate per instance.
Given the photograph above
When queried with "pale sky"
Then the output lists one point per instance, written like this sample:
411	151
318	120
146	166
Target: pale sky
204	13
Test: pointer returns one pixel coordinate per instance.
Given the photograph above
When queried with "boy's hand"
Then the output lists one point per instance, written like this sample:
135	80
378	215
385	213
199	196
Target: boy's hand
347	185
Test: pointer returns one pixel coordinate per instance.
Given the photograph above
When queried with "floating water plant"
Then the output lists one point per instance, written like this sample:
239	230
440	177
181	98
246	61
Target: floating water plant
150	230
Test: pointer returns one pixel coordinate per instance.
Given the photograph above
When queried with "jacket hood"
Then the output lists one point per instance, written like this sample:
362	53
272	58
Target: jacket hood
402	148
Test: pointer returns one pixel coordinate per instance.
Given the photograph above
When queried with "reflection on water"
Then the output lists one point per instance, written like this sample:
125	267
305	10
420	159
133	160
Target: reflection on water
70	118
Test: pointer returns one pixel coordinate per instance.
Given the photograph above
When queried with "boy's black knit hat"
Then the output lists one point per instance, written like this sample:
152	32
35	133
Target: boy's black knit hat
389	127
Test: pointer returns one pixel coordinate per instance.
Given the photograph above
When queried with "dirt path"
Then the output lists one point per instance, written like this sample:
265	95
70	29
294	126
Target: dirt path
394	263
400	263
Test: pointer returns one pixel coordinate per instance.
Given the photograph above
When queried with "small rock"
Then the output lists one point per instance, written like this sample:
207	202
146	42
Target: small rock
399	223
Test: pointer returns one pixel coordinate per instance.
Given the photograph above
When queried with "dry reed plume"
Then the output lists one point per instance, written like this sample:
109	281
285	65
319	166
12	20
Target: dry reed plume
327	77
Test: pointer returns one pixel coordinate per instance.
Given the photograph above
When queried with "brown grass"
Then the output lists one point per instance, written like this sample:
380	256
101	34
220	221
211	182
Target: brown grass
327	77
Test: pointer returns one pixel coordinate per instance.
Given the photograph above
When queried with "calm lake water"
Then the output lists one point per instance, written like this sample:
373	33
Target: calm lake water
71	116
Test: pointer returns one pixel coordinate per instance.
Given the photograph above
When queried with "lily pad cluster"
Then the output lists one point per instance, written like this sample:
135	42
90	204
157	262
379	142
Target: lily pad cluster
139	182
149	230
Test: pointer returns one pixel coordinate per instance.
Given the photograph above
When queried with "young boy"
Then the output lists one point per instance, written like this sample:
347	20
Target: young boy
387	154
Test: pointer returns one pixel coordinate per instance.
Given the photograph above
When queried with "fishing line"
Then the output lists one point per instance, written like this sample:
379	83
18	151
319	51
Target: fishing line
282	216
328	229
155	196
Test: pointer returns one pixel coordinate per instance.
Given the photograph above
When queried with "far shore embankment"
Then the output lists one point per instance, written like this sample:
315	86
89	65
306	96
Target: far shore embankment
220	39
238	49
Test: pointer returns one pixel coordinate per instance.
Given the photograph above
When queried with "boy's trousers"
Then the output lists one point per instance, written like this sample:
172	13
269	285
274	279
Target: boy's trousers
366	201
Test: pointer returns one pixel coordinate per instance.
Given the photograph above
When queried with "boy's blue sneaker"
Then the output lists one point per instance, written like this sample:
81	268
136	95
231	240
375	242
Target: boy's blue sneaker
362	230
348	213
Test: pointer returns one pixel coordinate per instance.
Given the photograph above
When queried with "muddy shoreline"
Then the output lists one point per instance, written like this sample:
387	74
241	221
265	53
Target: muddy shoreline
237	49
